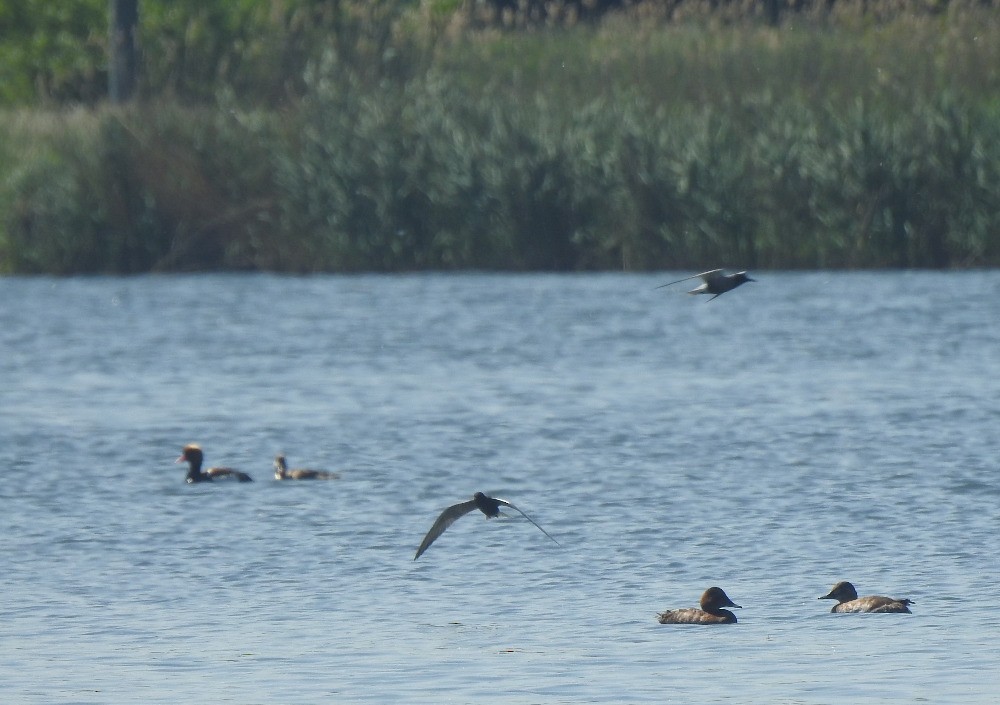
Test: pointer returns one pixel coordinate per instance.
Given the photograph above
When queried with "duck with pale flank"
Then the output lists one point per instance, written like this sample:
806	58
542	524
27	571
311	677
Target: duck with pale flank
711	612
848	601
490	506
193	455
281	472
714	281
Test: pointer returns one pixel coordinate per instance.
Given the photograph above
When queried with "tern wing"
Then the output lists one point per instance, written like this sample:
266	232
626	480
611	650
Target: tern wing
505	503
448	517
705	276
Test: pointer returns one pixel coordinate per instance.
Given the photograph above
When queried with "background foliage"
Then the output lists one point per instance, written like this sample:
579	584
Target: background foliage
315	135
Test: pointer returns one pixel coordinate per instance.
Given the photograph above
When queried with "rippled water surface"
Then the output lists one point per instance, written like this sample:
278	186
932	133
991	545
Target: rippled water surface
800	430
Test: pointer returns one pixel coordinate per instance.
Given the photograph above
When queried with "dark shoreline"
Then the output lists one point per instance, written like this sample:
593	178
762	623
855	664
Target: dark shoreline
618	148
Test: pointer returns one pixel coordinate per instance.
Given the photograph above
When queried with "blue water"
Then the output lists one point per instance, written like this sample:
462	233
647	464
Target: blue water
801	430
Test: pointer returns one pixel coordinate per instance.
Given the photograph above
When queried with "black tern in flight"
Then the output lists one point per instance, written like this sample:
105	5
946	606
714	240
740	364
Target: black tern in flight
490	506
714	282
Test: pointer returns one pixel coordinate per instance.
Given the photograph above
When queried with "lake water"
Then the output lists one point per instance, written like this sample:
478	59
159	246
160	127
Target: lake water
804	429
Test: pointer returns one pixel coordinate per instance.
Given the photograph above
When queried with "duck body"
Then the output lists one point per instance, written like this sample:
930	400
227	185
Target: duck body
712	603
281	472
849	602
691	615
194	456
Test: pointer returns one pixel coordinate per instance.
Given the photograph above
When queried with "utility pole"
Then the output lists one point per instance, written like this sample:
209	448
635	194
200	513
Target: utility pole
122	62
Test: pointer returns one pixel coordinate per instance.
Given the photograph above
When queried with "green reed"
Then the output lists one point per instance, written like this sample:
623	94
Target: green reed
625	146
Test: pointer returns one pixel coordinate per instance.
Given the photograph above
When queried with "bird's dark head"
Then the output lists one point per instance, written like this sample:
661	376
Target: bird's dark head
841	592
743	277
192	455
715	598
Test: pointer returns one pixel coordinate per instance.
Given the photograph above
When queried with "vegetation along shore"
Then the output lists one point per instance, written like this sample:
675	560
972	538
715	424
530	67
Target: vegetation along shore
389	136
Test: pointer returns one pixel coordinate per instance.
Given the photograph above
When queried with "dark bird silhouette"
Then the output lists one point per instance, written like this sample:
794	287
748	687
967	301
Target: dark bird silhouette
281	472
711	612
193	456
490	506
848	601
714	282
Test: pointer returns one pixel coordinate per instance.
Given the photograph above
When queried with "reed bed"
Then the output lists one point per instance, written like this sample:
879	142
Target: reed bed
620	146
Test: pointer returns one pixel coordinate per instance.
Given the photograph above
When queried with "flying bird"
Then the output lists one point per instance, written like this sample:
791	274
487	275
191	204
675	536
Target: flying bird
490	506
714	282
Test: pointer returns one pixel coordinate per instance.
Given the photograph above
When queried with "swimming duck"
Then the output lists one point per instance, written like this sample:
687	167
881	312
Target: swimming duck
714	282
490	506
711	612
848	601
193	456
281	472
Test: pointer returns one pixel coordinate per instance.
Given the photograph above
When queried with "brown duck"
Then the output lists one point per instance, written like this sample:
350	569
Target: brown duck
848	601
711	612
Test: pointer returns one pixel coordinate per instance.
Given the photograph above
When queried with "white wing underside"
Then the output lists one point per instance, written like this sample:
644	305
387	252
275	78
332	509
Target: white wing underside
709	276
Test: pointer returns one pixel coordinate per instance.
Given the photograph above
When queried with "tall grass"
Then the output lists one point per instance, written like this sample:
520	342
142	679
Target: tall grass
625	146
